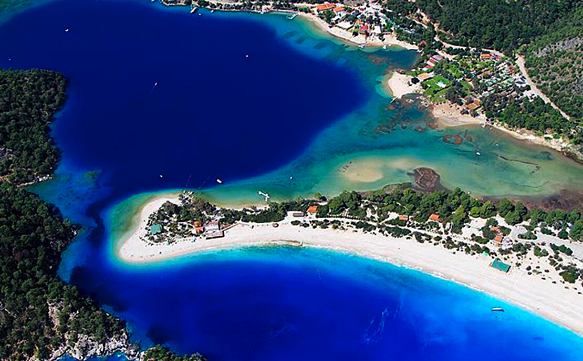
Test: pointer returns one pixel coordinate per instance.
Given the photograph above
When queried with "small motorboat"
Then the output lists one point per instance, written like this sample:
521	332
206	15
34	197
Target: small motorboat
219	180
497	309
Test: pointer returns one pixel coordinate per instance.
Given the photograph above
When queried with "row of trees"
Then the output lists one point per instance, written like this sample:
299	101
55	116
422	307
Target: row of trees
453	206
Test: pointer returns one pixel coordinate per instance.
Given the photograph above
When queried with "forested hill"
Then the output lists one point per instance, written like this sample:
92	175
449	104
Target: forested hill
555	63
41	318
39	314
28	102
498	24
549	32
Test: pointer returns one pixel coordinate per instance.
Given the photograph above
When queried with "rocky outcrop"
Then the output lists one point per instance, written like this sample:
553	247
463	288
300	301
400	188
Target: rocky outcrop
426	179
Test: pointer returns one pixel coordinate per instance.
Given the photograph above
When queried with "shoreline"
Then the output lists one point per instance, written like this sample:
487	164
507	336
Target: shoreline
448	115
322	26
397	85
347	37
553	302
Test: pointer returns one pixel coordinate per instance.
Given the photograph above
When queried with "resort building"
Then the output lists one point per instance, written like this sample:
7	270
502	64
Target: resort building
312	210
198	227
424	76
213	225
473	105
435	217
323	7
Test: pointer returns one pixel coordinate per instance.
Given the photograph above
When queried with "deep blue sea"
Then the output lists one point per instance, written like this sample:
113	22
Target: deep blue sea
162	99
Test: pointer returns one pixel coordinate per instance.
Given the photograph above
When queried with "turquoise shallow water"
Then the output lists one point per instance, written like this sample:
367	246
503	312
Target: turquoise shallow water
317	122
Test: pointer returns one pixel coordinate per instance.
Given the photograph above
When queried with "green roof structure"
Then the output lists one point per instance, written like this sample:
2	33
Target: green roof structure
155	229
500	266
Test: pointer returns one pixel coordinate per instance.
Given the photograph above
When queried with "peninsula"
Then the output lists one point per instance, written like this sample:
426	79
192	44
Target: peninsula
530	257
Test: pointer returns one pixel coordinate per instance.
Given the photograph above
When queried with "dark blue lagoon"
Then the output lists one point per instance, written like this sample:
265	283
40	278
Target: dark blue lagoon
162	99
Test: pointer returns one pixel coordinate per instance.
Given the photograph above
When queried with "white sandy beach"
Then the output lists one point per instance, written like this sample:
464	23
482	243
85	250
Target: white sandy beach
449	115
399	84
389	39
552	301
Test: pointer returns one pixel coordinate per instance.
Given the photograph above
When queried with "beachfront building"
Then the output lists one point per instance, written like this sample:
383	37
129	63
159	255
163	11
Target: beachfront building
213	225
312	210
198	227
325	7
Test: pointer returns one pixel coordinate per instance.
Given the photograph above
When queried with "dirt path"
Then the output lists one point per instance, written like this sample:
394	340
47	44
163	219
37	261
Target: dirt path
534	88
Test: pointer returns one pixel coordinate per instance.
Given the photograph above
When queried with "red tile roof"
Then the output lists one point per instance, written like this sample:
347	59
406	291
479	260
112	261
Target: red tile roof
434	217
324	7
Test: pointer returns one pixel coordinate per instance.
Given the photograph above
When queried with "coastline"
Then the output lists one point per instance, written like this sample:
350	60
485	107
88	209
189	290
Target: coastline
448	115
553	302
398	85
346	36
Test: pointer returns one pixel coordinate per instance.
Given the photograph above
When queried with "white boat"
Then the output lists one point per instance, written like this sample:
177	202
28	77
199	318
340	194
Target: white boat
478	153
497	309
219	180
